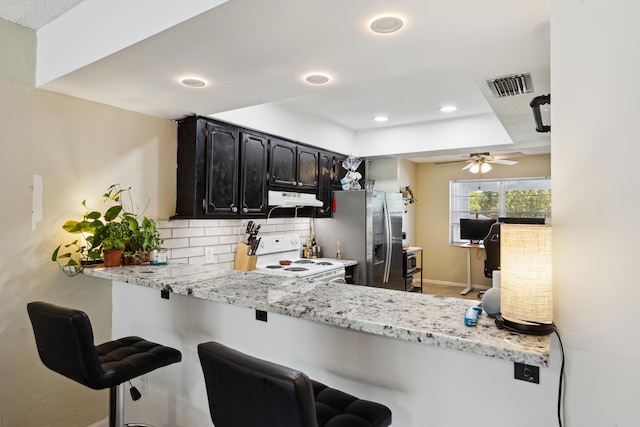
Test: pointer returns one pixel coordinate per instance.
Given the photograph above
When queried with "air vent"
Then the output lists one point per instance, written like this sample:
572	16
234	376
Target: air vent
517	84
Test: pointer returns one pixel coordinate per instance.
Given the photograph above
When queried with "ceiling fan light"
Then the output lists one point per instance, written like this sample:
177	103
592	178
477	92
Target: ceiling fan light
475	168
485	167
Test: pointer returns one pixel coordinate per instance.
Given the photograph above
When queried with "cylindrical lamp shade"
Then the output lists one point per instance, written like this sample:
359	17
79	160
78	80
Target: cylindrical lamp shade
526	275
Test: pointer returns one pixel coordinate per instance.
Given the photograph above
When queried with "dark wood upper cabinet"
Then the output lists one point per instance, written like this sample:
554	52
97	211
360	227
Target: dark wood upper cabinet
307	168
253	179
223	160
222	170
325	175
283	159
293	166
225	171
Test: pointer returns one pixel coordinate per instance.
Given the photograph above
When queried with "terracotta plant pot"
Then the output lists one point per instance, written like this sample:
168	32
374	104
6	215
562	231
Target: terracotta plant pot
112	258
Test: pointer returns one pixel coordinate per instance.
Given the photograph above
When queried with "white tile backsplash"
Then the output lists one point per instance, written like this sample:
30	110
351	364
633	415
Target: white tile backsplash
204	241
186	240
188	232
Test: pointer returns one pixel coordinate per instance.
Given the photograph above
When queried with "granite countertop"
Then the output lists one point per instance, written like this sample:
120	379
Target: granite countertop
409	316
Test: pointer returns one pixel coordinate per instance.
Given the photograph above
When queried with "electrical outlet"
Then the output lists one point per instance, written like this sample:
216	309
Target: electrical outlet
526	373
261	315
208	255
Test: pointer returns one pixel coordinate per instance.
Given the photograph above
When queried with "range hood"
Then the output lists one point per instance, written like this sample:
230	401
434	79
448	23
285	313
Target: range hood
286	198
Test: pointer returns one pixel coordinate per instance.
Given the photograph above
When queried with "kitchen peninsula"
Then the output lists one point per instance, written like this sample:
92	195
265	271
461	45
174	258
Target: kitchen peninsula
421	318
361	336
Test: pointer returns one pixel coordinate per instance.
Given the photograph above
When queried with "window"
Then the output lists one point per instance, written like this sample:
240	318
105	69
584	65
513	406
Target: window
494	198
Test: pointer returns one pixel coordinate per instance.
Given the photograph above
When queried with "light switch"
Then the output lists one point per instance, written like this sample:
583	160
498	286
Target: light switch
36	201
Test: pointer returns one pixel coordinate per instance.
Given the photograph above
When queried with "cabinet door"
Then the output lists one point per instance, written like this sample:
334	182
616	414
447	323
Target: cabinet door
282	169
223	155
307	168
325	169
253	179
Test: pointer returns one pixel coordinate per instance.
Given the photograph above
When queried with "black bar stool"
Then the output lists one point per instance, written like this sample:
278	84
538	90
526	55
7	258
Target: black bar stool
65	344
244	391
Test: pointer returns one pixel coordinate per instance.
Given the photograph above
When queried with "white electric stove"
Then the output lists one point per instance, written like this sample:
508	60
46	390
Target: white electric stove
286	247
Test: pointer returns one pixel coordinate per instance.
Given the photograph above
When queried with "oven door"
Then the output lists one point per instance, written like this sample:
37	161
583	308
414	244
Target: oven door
336	273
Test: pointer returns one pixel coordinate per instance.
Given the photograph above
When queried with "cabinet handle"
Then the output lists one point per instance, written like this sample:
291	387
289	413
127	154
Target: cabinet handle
234	209
245	210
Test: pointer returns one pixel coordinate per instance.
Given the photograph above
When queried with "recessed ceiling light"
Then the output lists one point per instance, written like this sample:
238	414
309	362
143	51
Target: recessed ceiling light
381	118
386	24
193	82
317	78
448	108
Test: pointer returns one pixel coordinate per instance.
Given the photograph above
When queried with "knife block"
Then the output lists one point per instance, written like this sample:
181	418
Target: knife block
244	261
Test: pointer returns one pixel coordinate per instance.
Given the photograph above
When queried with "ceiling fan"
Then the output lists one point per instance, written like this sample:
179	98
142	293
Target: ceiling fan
480	162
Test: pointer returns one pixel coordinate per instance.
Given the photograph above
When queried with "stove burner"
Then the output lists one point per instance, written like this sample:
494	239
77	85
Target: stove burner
273	266
304	261
324	263
296	269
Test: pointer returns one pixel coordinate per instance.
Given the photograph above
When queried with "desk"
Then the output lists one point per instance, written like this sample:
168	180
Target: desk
469	247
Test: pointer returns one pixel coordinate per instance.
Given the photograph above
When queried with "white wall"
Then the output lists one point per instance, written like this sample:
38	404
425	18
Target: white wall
407	177
62	51
472	131
594	162
272	119
385	172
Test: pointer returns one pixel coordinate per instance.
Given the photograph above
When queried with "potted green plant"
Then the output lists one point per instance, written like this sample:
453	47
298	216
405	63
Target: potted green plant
113	238
144	238
99	233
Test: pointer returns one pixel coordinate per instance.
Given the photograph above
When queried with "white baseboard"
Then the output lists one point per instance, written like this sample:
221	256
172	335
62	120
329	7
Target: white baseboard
102	423
456	284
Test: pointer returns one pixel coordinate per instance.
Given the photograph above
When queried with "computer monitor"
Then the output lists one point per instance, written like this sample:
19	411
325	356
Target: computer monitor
514	220
475	230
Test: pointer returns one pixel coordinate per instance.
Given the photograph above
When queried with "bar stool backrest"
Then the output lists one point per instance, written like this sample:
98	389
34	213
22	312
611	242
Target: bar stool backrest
244	391
64	338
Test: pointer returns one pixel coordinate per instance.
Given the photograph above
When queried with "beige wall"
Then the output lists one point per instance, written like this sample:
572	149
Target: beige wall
443	263
79	148
407	177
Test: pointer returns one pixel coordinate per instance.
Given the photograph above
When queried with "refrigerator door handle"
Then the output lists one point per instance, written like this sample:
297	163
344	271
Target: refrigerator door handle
388	241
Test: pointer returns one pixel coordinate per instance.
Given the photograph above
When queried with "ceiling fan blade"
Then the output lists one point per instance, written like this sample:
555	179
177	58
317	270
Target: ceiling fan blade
504	162
508	156
467	166
453	161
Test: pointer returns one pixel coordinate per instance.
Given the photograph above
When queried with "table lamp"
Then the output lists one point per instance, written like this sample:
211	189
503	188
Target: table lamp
526	300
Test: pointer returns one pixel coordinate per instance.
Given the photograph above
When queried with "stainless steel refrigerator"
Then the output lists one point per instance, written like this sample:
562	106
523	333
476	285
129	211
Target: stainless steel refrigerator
368	225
